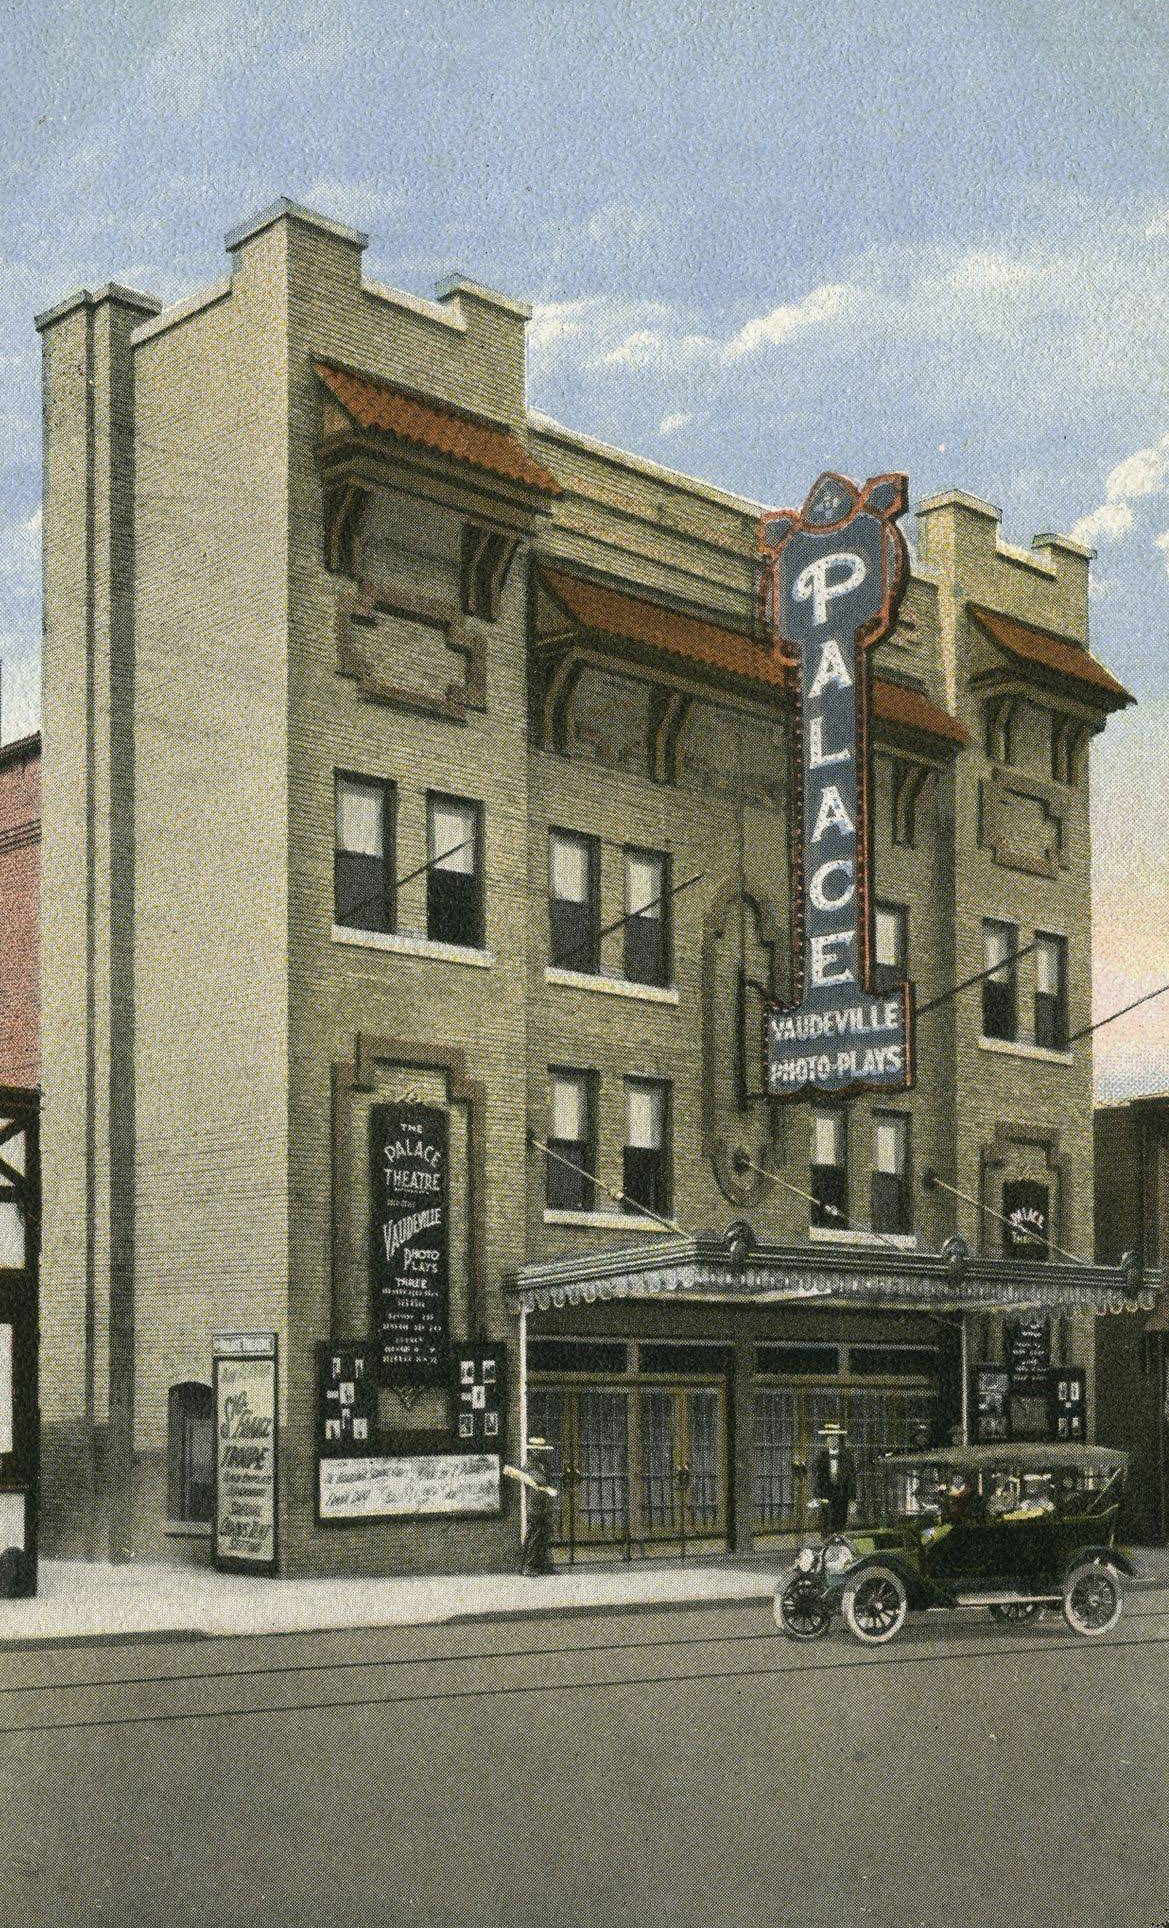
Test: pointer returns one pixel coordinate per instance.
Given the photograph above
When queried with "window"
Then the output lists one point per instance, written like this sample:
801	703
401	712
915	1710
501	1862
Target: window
1067	740
454	879
363	879
574	914
1051	991
890	933
647	948
646	1177
829	1169
892	1200
999	944
572	1141
1000	730
190	1435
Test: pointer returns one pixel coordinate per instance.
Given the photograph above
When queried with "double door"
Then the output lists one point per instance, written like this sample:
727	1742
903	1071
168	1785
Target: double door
638	1466
788	1425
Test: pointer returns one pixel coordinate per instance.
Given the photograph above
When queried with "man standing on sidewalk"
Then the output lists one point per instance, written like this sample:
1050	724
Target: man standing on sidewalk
536	1475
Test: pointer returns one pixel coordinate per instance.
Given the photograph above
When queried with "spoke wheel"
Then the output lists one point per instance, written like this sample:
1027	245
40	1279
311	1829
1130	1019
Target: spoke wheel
1016	1610
799	1608
875	1605
1092	1598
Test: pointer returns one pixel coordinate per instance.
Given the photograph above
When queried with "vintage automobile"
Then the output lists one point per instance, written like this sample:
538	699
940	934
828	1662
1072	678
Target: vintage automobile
1011	1528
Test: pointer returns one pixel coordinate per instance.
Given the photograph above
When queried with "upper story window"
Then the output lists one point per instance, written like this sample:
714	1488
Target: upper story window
647	1180
829	1168
363	878
572	1141
1000	941
890	946
1067	741
454	877
647	931
574	900
892	1198
1051	991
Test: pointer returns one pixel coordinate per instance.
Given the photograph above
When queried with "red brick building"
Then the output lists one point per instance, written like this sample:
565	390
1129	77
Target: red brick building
20	849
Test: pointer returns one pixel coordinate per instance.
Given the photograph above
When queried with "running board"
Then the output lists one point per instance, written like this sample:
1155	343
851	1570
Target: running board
1007	1599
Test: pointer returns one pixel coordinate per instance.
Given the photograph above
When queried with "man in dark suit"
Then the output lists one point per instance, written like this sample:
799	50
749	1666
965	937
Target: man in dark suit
834	1478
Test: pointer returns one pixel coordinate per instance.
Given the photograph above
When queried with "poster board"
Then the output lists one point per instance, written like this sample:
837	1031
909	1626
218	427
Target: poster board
991	1394
346	1399
402	1488
244	1405
409	1192
479	1396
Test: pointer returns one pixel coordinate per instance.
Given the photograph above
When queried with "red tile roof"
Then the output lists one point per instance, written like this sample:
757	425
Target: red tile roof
433	425
634	619
1050	652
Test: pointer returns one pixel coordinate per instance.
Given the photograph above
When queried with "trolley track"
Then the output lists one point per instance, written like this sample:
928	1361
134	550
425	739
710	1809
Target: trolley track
572	1665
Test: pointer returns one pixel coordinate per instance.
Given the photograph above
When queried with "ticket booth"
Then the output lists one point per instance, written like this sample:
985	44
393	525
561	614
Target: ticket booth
19	1409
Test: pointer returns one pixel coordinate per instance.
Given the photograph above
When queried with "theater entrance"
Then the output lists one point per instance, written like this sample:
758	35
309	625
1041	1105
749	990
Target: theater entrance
639	1435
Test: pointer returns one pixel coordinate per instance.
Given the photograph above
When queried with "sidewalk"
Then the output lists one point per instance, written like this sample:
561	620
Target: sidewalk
83	1601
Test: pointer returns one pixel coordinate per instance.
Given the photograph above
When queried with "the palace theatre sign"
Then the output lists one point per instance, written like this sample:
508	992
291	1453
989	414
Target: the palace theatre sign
832	576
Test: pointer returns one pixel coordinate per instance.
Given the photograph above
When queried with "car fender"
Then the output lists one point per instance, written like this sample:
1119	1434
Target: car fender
920	1595
1102	1556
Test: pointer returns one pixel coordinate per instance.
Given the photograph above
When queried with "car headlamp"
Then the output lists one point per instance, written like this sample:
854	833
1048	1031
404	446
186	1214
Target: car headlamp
805	1559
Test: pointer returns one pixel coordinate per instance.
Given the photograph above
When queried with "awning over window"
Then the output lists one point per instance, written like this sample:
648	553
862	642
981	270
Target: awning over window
446	431
1056	654
860	1275
636	619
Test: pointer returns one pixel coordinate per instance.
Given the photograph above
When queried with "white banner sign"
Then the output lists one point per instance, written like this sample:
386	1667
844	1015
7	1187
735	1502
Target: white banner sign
245	1460
372	1489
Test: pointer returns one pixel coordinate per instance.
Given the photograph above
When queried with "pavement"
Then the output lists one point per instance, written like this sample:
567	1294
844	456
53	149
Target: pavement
80	1600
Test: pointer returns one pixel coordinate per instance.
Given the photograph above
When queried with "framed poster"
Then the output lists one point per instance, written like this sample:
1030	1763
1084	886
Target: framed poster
347	1399
1068	1403
408	1486
479	1396
244	1405
991	1389
409	1243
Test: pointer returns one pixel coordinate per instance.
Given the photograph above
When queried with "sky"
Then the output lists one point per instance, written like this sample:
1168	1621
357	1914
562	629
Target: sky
760	241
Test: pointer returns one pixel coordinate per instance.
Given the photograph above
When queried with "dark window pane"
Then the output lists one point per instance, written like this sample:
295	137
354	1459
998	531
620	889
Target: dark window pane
893	1362
830	1195
891	1204
1050	1022
645	950
645	1178
807	1361
570	1186
577	1355
452	908
713	1361
998	1010
360	892
575	945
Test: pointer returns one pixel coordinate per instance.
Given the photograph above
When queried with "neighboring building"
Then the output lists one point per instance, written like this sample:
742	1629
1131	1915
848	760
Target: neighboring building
1132	1355
430	798
20	837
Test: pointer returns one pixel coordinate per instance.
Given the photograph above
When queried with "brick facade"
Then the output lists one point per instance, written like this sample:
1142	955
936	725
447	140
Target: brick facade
20	837
263	590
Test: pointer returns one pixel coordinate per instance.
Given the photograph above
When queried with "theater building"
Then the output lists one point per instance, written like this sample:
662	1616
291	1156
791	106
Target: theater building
420	787
1132	1355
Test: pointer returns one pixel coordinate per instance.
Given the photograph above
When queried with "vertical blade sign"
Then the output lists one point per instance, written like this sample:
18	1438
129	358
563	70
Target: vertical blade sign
831	579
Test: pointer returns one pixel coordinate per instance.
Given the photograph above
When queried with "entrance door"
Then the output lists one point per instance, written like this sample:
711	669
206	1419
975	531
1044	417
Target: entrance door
788	1423
638	1466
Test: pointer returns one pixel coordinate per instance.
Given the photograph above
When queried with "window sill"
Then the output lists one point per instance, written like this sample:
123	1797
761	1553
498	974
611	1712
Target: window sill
1015	1048
406	944
605	1221
615	986
188	1530
861	1235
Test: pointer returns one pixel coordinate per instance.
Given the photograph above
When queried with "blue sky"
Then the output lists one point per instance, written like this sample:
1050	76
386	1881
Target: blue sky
761	240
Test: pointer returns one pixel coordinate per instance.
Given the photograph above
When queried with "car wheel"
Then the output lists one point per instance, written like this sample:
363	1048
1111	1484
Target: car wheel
1092	1597
1016	1610
799	1607
875	1605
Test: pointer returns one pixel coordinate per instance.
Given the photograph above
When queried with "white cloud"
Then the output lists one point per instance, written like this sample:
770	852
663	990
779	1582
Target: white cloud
1106	524
670	424
651	348
1158	227
991	272
780	324
1141	474
1162	542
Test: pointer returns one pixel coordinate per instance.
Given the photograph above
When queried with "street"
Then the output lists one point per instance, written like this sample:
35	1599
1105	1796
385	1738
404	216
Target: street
679	1767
